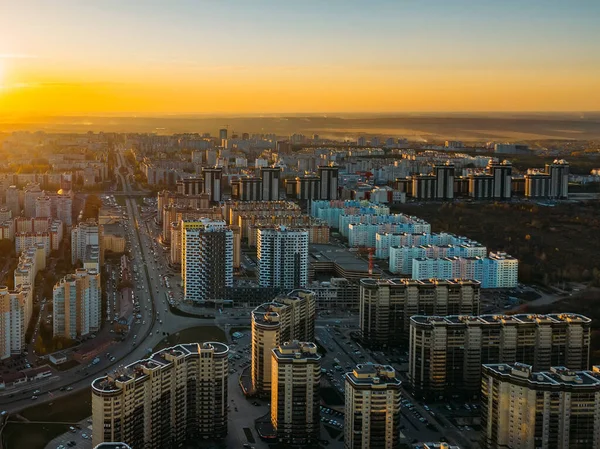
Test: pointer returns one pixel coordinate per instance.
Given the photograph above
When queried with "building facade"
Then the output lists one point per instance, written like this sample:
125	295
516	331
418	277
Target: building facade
372	408
282	255
296	377
206	259
13	319
76	310
84	234
288	317
386	305
446	353
526	409
175	395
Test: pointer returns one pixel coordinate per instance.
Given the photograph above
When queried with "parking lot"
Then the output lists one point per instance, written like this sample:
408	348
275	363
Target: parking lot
79	436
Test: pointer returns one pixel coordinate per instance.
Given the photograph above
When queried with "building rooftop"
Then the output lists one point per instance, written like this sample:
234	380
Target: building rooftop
369	374
403	282
296	350
113	446
555	318
558	376
137	370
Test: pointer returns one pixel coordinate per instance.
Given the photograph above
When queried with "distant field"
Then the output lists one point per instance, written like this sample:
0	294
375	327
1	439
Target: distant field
469	127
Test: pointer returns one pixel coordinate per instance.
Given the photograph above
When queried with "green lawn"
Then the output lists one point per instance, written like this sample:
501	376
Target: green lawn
71	408
198	334
30	435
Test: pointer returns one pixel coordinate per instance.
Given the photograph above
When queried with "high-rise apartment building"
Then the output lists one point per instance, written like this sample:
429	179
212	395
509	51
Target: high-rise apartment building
296	377
212	182
559	179
13	319
270	183
537	184
282	255
222	134
502	179
328	185
76	310
444	184
247	188
288	317
372	408
206	259
32	192
83	235
64	208
446	353
175	395
386	305
526	409
43	206
190	186
12	200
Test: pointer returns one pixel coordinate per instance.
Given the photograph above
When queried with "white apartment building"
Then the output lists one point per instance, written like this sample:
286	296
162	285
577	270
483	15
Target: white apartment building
282	255
13	319
295	400
365	234
43	206
83	235
372	408
526	409
76	309
24	240
385	240
412	225
175	395
206	259
497	270
401	257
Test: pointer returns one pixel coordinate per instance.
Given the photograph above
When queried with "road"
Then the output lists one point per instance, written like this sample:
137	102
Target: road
131	349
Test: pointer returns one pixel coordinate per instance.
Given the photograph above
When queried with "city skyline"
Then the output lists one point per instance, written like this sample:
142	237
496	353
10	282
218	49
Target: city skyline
70	58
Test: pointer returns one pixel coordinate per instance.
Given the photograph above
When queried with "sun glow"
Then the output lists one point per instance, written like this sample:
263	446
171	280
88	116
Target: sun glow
2	81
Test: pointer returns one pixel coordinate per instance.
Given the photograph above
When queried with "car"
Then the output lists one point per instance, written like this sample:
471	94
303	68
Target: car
84	436
33	398
69	388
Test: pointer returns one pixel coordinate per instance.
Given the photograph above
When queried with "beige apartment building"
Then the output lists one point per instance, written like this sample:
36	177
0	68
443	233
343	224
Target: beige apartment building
77	304
526	409
372	408
288	317
446	353
386	305
174	395
296	378
13	319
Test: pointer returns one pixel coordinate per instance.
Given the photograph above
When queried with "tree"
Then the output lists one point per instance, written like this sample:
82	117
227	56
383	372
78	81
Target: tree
92	207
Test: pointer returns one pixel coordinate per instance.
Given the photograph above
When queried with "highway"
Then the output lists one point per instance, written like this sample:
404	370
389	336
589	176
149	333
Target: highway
139	340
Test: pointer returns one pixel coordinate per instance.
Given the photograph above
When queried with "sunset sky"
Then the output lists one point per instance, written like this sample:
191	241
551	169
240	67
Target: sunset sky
253	56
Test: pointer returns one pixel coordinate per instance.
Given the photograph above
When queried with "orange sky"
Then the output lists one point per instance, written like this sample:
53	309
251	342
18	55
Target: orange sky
73	57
